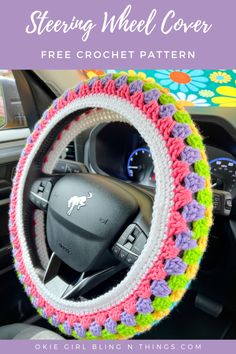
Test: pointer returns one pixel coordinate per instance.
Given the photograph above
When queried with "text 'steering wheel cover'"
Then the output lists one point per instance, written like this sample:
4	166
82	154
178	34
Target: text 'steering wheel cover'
182	209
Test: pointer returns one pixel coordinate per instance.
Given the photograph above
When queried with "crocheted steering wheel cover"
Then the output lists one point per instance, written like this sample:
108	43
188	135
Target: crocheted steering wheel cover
182	211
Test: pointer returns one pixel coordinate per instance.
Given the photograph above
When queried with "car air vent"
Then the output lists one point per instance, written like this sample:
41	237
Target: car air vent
69	152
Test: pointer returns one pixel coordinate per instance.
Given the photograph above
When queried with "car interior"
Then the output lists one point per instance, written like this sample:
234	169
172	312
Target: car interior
208	310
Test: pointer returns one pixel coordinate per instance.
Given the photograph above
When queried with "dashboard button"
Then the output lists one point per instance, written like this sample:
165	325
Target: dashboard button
116	250
47	191
131	238
123	255
131	258
228	204
136	232
139	244
128	245
217	201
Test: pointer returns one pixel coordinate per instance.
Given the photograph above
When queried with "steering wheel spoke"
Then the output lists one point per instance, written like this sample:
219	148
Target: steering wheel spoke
83	282
86	255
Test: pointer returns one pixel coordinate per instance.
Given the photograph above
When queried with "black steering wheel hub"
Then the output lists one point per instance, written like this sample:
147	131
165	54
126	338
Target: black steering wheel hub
86	213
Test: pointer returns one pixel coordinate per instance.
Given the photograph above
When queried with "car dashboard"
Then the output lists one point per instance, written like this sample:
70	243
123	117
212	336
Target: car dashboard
117	150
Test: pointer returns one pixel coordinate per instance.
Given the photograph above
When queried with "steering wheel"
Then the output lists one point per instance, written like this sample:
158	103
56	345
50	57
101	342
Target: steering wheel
98	257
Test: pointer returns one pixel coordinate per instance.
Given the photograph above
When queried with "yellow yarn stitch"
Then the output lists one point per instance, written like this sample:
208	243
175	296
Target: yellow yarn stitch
202	243
158	315
192	270
177	295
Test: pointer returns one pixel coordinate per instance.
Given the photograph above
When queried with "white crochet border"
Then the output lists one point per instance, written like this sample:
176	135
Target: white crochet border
121	110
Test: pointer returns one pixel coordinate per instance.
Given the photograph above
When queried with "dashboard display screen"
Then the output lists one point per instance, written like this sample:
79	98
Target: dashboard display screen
119	151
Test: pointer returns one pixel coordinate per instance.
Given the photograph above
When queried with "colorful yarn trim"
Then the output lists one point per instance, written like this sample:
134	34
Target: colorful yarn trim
188	222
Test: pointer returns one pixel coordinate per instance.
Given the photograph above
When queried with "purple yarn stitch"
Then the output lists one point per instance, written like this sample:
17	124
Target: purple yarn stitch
160	288
120	81
181	130
92	81
55	321
44	313
65	95
17	266
135	86
193	211
14	252
128	319
37	126
95	329
29	139
111	326
77	88
79	329
54	104
67	328
167	110
151	95
190	155
22	277
35	302
105	79
184	240
27	290
194	182
45	114
175	266
144	306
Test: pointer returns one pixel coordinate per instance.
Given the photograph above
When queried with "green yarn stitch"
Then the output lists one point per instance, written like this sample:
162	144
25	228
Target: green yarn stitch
162	303
204	197
202	168
75	335
192	256
50	321
150	86
178	282
107	335
126	331
200	228
182	117
89	335
61	328
144	320
195	141
40	312
117	75
133	78
166	99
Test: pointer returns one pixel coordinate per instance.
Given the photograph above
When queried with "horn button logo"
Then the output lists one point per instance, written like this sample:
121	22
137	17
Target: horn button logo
77	202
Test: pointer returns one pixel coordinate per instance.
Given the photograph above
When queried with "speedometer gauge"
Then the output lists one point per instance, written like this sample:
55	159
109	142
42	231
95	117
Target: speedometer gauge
223	170
140	166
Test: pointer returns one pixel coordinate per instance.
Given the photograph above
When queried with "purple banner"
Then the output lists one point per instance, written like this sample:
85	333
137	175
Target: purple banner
135	347
112	34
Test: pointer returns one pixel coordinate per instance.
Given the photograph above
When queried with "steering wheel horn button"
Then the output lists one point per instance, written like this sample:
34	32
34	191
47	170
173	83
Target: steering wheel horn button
76	207
78	202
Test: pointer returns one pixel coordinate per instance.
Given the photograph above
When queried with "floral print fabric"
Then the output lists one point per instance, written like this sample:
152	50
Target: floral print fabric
199	87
